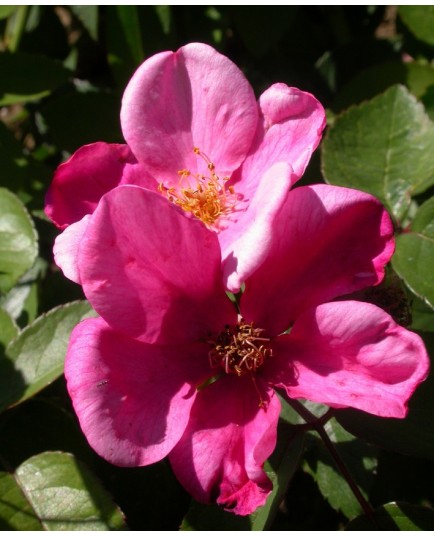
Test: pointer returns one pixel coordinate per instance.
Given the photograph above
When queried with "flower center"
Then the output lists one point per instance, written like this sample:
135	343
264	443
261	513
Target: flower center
206	197
239	349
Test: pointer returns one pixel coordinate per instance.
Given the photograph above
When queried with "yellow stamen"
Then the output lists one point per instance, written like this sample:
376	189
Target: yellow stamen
208	198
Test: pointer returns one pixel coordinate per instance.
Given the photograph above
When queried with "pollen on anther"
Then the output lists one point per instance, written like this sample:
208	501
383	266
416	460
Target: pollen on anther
206	197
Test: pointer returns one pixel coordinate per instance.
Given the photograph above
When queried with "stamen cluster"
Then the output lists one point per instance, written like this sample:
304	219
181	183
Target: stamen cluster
207	198
239	349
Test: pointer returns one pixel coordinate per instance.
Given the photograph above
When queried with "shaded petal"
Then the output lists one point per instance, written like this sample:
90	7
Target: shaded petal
66	247
327	241
194	97
245	242
80	182
228	438
289	130
151	271
349	354
133	400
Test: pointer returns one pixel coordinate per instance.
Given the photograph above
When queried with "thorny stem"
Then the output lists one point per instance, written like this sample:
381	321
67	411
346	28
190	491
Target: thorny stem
317	423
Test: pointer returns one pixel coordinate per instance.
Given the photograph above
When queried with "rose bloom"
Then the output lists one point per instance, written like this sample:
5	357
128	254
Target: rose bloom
196	135
174	368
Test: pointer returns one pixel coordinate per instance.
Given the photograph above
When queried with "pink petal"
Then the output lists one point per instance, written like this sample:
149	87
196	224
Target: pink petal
81	181
152	272
327	241
349	353
228	438
133	400
245	242
66	247
289	130
194	97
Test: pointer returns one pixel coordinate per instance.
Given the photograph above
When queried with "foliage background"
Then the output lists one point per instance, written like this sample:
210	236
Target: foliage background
63	70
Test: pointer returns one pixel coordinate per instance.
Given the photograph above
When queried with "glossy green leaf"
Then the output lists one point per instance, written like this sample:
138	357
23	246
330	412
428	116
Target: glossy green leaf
8	329
383	147
414	255
18	240
420	21
413	435
28	77
358	457
55	491
16	513
35	358
396	516
21	302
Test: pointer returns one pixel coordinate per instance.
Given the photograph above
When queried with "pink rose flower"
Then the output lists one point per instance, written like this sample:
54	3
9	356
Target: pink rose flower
196	135
172	368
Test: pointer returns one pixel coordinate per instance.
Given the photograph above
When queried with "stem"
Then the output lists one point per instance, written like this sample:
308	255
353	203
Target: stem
318	425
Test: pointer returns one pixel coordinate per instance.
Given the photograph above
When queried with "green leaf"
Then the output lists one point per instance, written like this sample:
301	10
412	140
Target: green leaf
124	41
369	82
423	315
28	77
88	15
396	516
414	255
420	21
16	513
359	458
383	147
18	240
413	435
8	329
55	491
21	302
5	11
35	358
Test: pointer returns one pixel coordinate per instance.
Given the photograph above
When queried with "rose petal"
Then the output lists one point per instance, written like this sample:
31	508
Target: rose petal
133	400
245	242
194	97
289	130
327	241
66	247
349	353
152	272
80	182
226	443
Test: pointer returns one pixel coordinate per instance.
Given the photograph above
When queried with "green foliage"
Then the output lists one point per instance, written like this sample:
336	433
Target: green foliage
383	147
18	241
63	70
35	357
396	516
54	491
414	256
